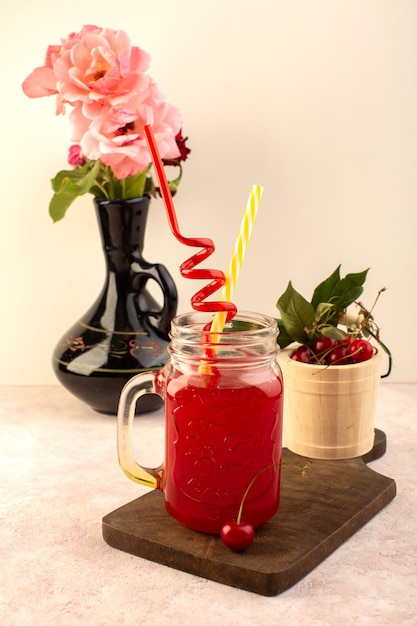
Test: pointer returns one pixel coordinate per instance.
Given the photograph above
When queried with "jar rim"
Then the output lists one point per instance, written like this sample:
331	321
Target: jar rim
246	326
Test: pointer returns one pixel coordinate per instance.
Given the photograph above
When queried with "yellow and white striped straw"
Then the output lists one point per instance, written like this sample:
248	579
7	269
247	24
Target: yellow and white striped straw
239	251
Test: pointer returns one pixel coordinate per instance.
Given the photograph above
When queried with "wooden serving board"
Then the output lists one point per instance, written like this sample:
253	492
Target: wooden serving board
317	514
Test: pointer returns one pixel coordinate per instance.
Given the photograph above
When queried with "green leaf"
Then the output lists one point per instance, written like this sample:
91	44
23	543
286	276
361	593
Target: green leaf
324	291
333	332
296	314
347	291
59	204
68	185
350	287
98	192
284	339
323	311
82	178
134	186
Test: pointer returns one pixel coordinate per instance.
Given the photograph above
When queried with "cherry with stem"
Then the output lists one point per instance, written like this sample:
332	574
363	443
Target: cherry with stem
237	536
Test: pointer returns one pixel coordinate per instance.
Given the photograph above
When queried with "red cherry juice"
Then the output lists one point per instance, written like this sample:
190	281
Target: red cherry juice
220	433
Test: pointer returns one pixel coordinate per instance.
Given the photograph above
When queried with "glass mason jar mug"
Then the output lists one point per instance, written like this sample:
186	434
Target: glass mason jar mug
223	397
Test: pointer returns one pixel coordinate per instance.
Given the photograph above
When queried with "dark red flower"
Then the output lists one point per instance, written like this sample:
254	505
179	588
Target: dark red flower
184	151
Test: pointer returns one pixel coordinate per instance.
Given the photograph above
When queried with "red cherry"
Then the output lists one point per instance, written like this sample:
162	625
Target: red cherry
361	350
236	536
301	354
339	356
323	344
322	347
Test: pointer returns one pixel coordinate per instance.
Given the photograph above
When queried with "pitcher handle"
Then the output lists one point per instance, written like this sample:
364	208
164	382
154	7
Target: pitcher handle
136	387
170	295
160	274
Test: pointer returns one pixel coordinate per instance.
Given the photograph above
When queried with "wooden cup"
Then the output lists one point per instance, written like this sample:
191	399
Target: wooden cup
329	412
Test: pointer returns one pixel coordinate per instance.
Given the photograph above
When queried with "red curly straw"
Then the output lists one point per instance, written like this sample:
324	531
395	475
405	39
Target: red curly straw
217	277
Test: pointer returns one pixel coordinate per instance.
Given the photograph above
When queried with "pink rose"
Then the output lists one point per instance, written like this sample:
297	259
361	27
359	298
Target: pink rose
92	65
117	138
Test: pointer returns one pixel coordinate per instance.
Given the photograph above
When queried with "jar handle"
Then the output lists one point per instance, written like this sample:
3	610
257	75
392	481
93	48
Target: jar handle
136	387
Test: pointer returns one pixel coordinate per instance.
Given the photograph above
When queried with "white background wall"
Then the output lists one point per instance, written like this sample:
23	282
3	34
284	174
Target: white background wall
314	99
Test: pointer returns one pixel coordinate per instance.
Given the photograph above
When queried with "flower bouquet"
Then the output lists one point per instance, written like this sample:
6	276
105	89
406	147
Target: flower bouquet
103	80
